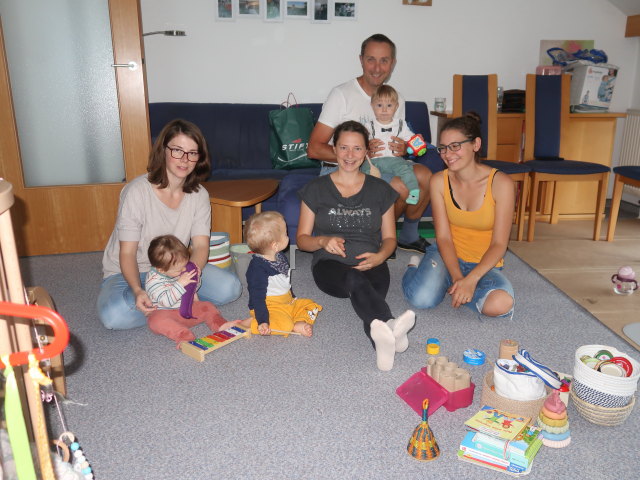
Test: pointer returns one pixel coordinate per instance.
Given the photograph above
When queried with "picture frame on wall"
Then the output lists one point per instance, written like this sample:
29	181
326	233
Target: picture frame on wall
421	3
297	9
225	10
249	9
320	11
345	10
273	10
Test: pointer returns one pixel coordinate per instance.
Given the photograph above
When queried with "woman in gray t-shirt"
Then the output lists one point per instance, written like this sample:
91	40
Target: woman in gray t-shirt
166	200
347	221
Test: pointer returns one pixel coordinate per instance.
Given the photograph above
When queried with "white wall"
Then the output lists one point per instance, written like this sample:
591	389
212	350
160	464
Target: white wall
635	101
254	61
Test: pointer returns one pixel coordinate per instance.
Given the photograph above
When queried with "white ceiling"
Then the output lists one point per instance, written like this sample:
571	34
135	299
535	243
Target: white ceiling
628	7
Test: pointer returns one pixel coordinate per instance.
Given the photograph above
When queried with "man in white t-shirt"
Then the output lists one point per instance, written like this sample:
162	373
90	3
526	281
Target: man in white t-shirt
352	101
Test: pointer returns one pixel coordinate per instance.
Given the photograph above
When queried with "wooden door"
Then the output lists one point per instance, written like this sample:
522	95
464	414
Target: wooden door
79	218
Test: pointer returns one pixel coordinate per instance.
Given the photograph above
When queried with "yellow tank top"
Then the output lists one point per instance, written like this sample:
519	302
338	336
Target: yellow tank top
471	231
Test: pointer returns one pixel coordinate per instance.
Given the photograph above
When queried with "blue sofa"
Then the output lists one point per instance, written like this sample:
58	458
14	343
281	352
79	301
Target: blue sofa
238	138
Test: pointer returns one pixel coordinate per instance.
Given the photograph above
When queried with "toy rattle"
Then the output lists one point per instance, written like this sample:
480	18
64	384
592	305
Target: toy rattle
422	444
624	282
416	145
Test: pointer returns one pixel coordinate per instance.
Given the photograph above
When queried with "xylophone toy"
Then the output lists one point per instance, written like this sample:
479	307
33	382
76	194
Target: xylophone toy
199	347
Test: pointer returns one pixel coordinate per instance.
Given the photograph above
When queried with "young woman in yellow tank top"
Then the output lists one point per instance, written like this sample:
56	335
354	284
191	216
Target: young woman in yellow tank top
473	207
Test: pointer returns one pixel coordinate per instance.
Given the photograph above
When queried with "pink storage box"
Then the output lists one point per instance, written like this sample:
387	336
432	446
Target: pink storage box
420	386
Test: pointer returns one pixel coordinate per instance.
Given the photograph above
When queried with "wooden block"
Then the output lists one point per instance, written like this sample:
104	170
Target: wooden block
198	348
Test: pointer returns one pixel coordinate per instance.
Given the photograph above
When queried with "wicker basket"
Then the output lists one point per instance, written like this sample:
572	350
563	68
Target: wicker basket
620	386
599	389
607	417
529	408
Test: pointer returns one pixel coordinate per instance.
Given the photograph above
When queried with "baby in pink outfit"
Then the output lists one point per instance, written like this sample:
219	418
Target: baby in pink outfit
166	284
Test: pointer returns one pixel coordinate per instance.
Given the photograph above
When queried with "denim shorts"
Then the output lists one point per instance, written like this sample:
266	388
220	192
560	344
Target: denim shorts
426	285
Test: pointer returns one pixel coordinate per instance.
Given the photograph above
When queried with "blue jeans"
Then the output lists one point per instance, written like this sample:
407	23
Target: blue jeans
426	285
117	304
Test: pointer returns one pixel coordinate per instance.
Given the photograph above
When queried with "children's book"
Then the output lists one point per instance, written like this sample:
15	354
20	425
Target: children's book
493	466
493	461
478	444
497	423
521	445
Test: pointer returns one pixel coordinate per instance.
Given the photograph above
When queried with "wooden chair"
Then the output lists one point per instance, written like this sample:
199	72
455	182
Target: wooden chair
546	127
479	93
625	175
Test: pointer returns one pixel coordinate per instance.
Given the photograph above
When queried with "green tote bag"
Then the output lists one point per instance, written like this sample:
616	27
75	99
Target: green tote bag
290	128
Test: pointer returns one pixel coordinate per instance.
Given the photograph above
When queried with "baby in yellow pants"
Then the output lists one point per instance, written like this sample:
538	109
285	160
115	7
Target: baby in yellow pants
272	305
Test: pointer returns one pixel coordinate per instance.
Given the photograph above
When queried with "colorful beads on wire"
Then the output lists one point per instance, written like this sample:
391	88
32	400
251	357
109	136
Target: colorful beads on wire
80	463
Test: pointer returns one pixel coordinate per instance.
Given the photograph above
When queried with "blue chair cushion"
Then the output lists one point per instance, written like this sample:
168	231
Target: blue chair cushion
508	167
566	167
475	96
629	171
547	118
417	116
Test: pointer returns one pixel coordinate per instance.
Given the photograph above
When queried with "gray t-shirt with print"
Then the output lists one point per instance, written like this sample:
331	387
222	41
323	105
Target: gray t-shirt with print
357	219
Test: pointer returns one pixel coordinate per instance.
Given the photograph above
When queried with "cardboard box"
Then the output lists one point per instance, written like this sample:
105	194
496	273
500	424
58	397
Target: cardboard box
592	83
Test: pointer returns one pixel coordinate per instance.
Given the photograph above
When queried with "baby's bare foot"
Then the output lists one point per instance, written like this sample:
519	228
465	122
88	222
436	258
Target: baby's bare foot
246	323
227	325
240	323
303	328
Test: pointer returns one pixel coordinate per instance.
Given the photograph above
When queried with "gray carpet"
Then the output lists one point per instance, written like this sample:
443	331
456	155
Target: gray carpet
298	408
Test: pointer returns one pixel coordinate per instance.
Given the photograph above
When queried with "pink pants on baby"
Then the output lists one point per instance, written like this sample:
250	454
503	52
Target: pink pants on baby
172	325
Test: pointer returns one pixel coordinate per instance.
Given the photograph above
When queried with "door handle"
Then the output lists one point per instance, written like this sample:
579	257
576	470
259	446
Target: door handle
131	65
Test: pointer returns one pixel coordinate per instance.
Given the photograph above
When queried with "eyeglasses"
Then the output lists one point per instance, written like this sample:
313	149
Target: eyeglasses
179	154
453	147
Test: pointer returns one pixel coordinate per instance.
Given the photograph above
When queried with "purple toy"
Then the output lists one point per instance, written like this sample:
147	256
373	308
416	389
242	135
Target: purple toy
187	297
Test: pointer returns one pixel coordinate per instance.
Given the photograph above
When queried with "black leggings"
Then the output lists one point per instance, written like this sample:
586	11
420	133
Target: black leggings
366	289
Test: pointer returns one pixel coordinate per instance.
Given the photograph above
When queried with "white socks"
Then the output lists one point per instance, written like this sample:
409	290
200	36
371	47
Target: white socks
400	326
391	337
382	336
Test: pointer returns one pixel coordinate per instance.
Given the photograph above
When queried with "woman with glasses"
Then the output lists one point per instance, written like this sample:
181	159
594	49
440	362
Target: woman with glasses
168	200
473	207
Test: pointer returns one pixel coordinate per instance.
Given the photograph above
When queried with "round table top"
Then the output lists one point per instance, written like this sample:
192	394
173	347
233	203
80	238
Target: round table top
241	193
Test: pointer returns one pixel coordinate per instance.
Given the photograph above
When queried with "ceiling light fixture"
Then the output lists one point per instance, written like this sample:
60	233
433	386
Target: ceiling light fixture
168	33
